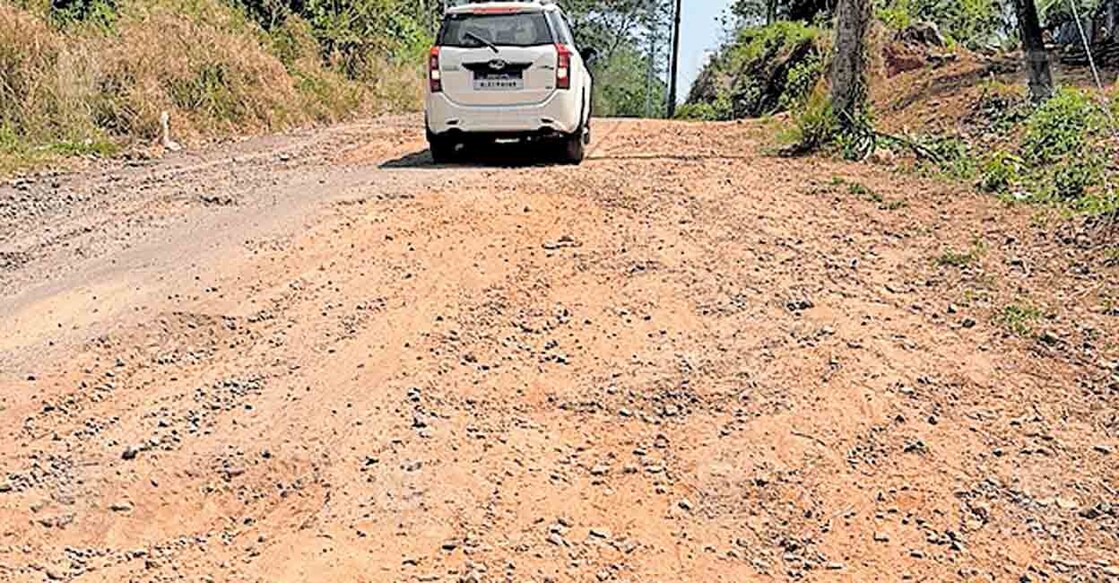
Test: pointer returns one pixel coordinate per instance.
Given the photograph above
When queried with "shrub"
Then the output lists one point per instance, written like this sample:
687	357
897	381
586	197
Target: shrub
1062	144
815	125
1063	125
1000	172
700	112
1002	106
951	155
46	84
894	17
801	80
77	75
971	21
763	71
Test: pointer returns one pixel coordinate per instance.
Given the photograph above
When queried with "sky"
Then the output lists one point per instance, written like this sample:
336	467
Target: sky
700	32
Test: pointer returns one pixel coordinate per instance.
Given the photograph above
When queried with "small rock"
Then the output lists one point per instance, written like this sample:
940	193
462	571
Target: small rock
799	304
130	452
833	566
122	506
600	470
599	532
915	446
60	521
1100	447
5	487
449	545
555	539
685	504
1094	512
1067	503
881	537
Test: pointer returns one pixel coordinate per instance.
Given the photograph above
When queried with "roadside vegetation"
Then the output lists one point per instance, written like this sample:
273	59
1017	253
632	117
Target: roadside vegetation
93	77
1058	147
88	76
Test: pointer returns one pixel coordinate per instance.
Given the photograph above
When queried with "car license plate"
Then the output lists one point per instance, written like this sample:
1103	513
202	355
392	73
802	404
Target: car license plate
499	82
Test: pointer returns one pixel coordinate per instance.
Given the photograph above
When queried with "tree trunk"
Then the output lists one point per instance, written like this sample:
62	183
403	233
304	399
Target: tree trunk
770	11
674	66
848	74
1037	58
1113	20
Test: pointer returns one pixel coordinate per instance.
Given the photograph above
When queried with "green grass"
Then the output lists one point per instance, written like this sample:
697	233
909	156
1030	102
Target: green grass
19	154
1019	318
863	191
953	258
1111	256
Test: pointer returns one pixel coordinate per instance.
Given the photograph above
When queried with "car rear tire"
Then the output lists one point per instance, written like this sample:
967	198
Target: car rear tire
442	149
573	148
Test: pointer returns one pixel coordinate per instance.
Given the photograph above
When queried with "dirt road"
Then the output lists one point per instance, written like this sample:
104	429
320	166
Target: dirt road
319	358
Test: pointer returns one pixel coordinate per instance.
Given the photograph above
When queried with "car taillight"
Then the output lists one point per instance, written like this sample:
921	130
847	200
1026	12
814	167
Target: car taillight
434	76
563	67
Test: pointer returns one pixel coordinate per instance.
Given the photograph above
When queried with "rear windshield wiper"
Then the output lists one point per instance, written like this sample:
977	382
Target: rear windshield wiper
492	46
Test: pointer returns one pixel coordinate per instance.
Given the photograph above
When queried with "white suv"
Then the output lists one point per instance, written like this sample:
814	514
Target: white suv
507	71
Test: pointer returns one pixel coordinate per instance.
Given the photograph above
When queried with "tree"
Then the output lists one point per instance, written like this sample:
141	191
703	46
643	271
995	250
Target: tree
848	74
630	37
1037	58
753	12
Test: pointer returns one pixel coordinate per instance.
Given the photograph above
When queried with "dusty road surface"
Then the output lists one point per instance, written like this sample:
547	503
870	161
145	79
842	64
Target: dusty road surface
318	357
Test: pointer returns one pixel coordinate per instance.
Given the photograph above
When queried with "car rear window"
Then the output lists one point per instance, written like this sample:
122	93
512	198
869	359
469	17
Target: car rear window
520	29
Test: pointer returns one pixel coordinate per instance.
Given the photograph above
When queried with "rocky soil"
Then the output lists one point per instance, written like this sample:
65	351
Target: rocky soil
318	357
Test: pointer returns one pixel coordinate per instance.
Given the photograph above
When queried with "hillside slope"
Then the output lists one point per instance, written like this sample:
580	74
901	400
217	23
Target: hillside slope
94	76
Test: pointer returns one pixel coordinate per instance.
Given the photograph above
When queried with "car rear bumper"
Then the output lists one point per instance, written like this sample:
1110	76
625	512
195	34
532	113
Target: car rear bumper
560	113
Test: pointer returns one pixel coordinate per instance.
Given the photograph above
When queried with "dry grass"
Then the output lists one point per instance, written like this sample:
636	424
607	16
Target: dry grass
88	89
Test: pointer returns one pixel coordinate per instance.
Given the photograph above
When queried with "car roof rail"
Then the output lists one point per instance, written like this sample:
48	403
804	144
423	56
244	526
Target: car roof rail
457	3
